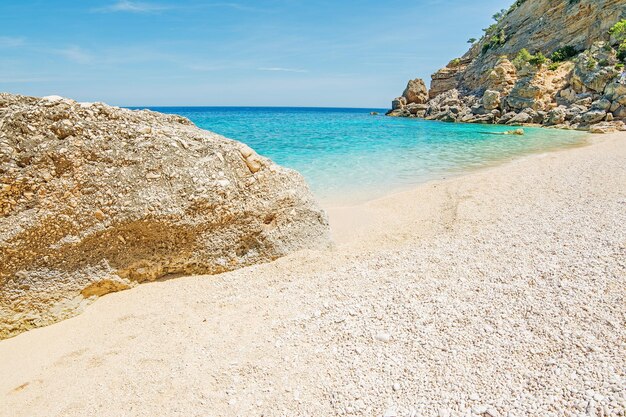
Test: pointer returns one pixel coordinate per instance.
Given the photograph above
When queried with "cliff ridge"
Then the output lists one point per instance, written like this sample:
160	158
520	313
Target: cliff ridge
542	62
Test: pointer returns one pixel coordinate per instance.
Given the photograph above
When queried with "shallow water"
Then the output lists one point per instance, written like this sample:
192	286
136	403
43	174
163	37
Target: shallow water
348	155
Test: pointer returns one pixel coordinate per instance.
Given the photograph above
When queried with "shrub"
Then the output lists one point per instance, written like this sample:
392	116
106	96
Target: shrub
618	31
538	59
564	53
523	56
621	51
496	39
499	15
515	5
604	63
554	66
491	29
454	63
591	64
499	38
619	66
472	40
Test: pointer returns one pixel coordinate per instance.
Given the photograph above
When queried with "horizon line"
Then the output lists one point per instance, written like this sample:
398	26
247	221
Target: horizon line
244	106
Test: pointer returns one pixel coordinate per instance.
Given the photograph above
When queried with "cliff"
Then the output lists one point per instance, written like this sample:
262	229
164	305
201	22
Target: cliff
542	61
95	199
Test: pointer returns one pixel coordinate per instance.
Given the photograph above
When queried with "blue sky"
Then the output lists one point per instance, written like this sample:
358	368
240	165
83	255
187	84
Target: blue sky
344	53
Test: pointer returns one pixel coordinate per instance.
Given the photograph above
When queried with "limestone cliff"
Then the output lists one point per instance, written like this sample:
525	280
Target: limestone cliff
95	199
539	56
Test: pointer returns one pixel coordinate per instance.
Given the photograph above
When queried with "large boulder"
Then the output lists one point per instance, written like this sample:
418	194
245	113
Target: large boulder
520	118
594	69
491	99
616	91
416	92
528	91
593	116
556	116
503	77
95	199
398	103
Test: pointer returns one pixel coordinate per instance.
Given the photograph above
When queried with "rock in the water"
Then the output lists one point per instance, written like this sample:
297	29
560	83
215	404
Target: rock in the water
95	199
416	92
398	103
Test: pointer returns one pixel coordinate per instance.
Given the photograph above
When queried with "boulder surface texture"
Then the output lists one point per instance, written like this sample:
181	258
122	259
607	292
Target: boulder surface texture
95	199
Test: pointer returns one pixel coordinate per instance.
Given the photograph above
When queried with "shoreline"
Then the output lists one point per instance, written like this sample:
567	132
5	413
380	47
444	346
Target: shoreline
351	222
372	194
586	141
497	290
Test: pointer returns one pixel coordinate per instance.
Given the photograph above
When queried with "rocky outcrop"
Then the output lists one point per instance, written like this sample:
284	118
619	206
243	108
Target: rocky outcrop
416	92
447	78
540	25
503	77
594	70
497	81
95	199
491	100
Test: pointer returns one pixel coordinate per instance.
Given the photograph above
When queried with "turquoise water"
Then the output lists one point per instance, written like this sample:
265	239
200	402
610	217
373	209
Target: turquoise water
348	155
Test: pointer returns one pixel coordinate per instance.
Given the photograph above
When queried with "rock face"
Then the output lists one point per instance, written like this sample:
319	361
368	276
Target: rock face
541	25
447	78
489	84
95	199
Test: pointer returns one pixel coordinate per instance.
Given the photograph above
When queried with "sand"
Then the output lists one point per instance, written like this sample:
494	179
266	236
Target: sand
500	292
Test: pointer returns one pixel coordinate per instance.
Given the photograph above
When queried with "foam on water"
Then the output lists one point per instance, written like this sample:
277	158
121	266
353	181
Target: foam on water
348	155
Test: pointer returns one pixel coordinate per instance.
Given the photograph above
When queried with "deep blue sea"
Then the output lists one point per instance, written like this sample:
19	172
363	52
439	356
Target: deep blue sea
348	155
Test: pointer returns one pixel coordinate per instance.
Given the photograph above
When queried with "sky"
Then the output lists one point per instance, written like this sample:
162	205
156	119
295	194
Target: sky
341	53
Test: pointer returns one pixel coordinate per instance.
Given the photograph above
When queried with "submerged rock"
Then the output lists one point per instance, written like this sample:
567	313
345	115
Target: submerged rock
95	199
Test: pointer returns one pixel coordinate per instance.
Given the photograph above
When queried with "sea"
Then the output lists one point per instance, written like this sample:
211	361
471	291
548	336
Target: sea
349	155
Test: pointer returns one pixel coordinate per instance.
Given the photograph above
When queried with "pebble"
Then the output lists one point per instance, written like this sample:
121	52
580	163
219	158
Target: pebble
383	337
390	412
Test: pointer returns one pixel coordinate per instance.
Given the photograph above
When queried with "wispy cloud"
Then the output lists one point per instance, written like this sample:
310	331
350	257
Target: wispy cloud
281	69
23	80
206	68
132	7
235	6
11	42
75	54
